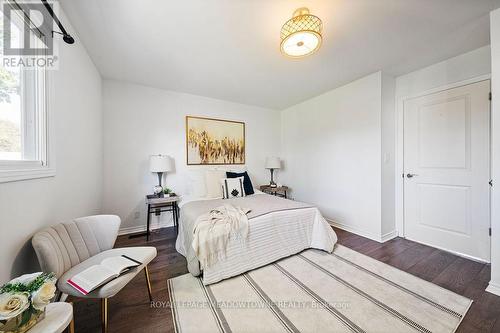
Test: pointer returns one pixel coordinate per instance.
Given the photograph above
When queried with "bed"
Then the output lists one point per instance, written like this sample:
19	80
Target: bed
277	228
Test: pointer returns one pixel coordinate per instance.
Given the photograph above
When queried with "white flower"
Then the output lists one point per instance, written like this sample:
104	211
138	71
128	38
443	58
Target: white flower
13	304
41	298
26	278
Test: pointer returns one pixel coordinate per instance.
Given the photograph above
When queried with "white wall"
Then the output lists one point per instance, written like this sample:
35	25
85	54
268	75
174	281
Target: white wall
140	121
467	66
388	159
331	145
76	190
494	285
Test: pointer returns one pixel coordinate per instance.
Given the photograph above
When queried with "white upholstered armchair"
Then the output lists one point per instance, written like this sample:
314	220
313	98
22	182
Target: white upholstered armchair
68	248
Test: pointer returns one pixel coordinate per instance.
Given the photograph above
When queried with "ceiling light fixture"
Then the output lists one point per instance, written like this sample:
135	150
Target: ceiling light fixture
301	35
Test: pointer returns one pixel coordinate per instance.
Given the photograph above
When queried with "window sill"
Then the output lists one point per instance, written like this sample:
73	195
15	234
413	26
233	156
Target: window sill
7	176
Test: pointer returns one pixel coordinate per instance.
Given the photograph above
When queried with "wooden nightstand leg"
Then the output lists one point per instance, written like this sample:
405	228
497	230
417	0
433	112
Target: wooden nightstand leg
173	214
176	217
147	223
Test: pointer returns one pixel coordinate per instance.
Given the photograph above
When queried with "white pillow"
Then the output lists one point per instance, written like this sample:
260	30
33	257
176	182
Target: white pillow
196	183
212	183
232	187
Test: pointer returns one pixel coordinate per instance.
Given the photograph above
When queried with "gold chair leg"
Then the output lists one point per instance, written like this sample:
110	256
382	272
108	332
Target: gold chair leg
146	272
104	315
71	328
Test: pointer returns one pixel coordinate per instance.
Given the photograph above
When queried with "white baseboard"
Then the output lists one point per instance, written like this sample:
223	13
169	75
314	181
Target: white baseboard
377	238
493	288
142	228
390	235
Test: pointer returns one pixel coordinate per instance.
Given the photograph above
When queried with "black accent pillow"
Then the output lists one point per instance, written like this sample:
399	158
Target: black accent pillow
247	183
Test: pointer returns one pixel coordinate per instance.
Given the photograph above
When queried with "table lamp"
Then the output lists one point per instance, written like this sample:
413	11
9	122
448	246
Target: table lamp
271	164
160	164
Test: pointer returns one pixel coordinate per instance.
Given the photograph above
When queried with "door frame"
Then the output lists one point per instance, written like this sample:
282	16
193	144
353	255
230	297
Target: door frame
399	151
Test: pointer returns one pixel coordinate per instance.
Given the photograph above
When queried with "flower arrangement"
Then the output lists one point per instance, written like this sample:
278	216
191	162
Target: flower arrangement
23	301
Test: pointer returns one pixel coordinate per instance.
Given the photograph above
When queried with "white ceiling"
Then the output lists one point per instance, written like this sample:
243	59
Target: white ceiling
229	49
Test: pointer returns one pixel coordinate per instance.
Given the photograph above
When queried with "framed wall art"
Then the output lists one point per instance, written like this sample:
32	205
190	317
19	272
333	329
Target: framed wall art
214	141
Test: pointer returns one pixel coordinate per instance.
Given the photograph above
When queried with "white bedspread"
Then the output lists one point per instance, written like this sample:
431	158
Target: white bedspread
278	229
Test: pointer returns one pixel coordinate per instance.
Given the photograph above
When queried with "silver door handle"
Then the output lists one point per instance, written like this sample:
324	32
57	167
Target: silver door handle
411	175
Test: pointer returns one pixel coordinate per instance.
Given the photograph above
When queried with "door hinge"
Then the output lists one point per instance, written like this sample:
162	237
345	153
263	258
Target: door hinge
491	182
490	96
489	231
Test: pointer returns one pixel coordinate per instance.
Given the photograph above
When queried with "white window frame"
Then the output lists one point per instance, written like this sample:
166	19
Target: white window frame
44	163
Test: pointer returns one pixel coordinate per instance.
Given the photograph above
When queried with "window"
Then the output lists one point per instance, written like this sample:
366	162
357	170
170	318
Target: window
23	114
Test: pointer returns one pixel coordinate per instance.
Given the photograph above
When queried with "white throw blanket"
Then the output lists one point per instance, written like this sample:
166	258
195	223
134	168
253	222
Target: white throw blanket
213	230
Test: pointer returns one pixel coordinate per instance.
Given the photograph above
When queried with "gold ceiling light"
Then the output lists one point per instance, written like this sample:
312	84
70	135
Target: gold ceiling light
301	35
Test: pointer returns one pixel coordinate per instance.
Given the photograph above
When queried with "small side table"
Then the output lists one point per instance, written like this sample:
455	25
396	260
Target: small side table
280	191
58	316
157	206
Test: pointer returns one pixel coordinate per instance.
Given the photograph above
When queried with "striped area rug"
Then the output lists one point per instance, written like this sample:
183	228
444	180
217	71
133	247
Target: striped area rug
317	292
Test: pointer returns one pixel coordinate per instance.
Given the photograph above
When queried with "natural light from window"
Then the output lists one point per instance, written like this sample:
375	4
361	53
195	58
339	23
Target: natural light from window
11	114
24	142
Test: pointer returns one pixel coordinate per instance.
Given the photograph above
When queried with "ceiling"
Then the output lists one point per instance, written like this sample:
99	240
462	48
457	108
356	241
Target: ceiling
229	49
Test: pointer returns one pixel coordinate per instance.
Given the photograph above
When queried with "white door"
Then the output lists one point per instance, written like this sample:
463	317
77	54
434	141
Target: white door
447	169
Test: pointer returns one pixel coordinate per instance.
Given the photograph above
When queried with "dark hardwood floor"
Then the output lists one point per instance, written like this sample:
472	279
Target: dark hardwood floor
131	311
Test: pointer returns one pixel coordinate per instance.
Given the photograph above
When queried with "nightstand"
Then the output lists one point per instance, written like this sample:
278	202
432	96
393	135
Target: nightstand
158	205
280	191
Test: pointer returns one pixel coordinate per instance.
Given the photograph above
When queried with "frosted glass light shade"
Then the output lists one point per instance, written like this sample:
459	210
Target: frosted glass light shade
161	163
273	163
301	35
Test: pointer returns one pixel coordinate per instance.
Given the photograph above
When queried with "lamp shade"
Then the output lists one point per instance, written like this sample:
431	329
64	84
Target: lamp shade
273	163
160	163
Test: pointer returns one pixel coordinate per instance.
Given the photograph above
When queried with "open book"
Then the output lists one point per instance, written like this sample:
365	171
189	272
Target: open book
97	275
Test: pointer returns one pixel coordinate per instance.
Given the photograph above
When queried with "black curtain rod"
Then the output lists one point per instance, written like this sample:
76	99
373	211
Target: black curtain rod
66	37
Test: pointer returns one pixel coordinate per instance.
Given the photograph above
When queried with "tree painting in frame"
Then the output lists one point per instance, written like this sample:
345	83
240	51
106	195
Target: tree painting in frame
214	141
